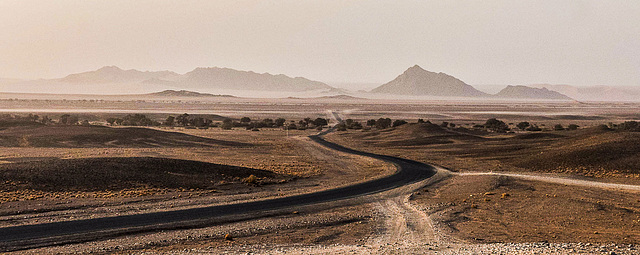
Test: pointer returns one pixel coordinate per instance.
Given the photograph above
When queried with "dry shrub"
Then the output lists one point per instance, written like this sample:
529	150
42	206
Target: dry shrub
252	179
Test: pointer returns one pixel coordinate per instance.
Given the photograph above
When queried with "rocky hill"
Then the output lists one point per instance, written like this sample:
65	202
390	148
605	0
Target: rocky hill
417	81
525	92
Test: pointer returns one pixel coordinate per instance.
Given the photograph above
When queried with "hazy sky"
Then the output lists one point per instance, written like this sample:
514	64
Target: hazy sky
480	42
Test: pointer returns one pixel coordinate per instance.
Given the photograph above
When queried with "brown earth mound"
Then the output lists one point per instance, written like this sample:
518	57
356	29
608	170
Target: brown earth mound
100	136
416	134
595	152
97	174
607	152
503	209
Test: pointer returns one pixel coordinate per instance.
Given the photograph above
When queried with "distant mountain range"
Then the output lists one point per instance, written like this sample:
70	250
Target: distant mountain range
201	78
520	91
113	80
113	74
419	82
226	78
595	93
183	93
415	81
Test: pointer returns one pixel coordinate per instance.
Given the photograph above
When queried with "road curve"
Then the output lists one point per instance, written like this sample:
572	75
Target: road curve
30	236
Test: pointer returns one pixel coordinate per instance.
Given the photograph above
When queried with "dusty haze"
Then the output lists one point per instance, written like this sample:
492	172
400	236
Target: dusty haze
487	42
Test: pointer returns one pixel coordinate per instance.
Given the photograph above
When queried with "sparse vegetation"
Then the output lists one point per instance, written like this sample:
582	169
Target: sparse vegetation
398	123
496	125
534	128
383	123
523	125
67	119
227	124
572	127
251	179
628	126
594	151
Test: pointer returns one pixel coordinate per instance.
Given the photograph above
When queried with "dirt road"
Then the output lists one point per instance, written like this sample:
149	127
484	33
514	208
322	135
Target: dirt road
560	180
20	237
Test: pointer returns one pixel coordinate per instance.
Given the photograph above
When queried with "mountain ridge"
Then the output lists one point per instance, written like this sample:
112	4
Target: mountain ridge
200	78
520	91
418	81
114	74
595	93
227	78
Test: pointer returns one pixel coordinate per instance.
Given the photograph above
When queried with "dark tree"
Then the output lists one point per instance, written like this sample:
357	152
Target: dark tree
245	120
534	128
348	122
523	125
383	123
227	124
137	120
320	122
200	122
183	120
67	119
268	122
170	121
280	122
496	125
398	123
371	123
628	126
558	127
307	121
573	127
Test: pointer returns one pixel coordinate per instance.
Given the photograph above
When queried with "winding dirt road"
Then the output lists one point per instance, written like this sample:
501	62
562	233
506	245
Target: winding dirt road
30	236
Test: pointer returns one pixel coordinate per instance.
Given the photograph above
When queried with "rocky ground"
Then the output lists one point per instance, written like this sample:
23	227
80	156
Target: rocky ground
448	214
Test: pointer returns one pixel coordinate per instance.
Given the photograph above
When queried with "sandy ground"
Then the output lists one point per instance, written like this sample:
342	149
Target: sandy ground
435	217
448	214
315	167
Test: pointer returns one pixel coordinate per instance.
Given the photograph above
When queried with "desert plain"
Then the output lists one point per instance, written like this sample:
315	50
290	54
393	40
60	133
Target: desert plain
496	189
